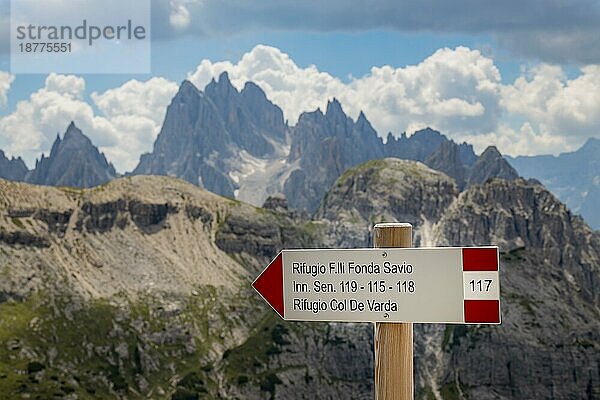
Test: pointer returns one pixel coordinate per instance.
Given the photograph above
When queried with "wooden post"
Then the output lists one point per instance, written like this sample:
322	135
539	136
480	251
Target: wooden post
393	341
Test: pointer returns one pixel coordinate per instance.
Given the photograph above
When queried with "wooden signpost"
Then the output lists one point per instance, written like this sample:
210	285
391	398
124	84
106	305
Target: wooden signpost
393	342
392	285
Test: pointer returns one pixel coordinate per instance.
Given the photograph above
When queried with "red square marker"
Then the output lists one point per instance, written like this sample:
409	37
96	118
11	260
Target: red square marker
480	259
482	311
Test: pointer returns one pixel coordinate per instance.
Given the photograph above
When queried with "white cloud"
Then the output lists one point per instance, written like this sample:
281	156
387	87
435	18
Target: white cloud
555	105
523	140
31	128
136	111
6	79
69	85
458	91
130	120
453	90
180	15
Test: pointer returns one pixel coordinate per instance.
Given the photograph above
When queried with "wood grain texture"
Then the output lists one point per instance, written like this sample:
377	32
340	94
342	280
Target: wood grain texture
393	341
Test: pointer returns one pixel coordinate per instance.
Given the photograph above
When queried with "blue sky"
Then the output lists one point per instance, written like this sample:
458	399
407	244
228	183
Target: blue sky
342	54
522	76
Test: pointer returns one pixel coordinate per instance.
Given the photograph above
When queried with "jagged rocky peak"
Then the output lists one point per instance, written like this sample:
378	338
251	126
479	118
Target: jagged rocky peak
467	154
13	169
220	89
327	145
363	125
73	161
334	109
515	214
74	137
205	132
266	114
491	164
250	117
187	89
311	116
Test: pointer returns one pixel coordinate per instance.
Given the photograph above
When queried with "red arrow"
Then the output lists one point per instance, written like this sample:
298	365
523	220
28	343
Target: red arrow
269	284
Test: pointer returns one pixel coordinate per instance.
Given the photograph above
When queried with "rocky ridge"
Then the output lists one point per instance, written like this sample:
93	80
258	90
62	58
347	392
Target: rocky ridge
148	277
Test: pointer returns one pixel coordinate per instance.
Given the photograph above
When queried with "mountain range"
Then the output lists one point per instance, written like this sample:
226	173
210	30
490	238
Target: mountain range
236	143
140	288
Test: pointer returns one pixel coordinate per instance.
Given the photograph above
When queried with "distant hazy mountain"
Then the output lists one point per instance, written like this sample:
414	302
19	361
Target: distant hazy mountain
573	177
73	161
13	169
206	135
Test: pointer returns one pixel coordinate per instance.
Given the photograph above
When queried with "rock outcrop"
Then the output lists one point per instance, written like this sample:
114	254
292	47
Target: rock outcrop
550	277
236	143
388	190
547	345
418	146
447	159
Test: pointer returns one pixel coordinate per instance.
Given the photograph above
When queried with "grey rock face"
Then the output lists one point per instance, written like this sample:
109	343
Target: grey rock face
574	177
204	132
447	159
276	202
207	137
461	163
547	345
550	281
324	146
73	161
13	169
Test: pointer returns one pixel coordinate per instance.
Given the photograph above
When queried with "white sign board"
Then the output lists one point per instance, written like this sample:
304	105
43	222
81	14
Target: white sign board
428	285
